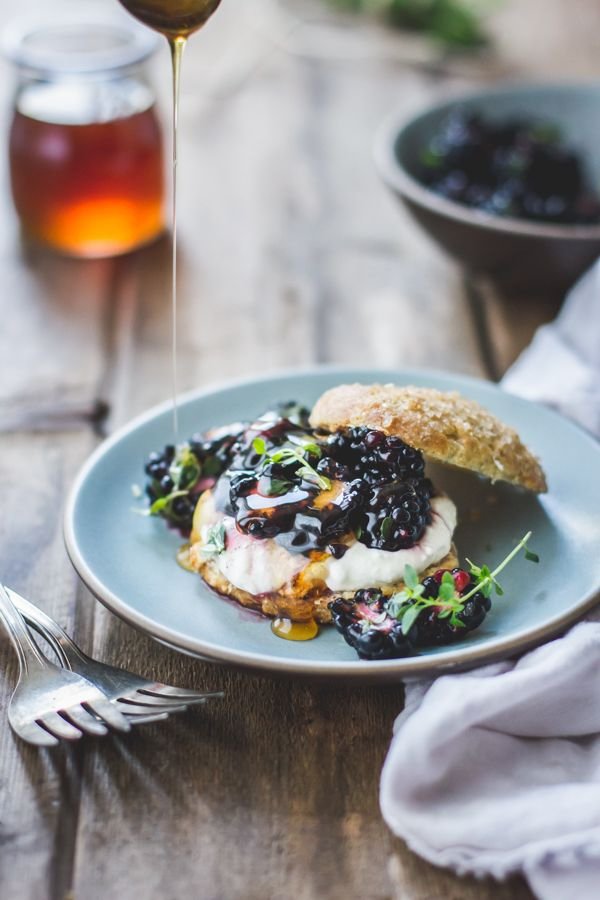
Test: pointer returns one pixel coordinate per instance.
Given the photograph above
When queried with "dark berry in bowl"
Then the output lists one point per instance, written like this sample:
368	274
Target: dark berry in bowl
518	167
539	252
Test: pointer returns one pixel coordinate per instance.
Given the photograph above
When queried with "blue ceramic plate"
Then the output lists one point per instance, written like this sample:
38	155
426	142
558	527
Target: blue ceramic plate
128	561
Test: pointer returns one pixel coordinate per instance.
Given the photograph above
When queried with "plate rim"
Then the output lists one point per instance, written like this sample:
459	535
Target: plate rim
377	670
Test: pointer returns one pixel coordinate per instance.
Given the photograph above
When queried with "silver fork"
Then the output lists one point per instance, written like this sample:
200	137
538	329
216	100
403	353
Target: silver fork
51	703
138	698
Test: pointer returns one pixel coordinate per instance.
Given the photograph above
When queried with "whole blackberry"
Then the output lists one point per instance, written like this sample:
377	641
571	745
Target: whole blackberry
369	639
430	630
375	457
157	469
178	510
394	516
215	453
367	624
331	468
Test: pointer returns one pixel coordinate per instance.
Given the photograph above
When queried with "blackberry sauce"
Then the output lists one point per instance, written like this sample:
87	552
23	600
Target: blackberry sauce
360	483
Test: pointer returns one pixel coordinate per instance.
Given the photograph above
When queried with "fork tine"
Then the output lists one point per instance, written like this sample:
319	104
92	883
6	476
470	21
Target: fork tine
146	720
173	693
59	727
84	720
131	708
157	702
110	714
36	734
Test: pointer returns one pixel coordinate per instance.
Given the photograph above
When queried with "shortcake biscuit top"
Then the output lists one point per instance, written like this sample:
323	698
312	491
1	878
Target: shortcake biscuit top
445	426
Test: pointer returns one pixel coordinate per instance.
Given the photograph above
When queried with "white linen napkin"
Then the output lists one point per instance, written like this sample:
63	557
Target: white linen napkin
497	770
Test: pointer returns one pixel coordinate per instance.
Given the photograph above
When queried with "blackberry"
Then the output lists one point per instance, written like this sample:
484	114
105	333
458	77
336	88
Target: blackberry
394	516
430	630
367	625
215	452
182	511
516	168
431	586
331	468
375	457
157	466
202	458
371	641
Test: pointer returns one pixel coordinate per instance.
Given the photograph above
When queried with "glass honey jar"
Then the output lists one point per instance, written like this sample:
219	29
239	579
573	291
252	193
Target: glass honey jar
85	144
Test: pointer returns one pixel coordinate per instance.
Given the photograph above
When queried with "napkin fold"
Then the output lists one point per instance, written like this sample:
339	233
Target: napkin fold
497	770
561	366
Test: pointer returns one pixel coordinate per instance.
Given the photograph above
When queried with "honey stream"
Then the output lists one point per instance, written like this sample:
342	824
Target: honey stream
176	22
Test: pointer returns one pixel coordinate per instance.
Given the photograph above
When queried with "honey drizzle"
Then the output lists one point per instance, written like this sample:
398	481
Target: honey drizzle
176	46
183	557
294	631
176	25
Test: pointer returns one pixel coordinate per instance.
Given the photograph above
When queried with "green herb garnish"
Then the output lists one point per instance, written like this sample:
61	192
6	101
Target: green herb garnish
185	470
260	445
213	540
406	605
298	456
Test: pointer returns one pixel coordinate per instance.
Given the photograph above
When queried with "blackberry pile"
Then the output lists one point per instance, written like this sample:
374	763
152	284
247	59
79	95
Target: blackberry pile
275	500
515	168
384	501
394	509
395	515
385	498
368	627
364	624
375	457
178	510
174	499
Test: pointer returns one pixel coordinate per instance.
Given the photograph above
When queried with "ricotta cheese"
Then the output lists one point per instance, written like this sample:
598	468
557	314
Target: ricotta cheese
362	567
257	566
263	566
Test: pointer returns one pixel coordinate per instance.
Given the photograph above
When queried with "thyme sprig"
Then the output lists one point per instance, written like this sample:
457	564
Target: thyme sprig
408	604
213	539
298	455
185	471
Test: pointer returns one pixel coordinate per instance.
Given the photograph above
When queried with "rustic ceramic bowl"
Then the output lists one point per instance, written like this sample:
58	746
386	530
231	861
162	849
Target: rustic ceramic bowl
516	253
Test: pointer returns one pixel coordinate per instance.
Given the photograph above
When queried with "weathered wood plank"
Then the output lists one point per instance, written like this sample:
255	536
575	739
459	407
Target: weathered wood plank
507	323
39	791
52	312
291	253
273	792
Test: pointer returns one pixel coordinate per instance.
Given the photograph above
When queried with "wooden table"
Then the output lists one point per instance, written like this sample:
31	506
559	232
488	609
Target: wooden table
292	253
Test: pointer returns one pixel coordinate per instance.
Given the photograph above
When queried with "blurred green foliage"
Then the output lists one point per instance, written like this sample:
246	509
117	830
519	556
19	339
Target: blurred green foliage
455	23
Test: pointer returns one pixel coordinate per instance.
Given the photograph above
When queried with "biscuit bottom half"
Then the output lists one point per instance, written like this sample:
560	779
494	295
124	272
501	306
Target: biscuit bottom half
299	601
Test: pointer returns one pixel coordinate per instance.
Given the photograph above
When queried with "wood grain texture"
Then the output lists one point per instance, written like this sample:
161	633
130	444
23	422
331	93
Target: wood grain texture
272	793
291	253
39	791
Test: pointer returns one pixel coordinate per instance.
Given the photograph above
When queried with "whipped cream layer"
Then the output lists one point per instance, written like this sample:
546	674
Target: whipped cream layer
263	566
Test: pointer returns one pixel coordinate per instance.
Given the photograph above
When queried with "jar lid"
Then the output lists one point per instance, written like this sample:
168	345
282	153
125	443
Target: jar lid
72	40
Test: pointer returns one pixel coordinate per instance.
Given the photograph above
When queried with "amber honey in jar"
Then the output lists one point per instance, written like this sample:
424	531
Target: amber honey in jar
85	146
